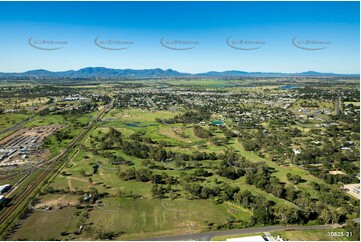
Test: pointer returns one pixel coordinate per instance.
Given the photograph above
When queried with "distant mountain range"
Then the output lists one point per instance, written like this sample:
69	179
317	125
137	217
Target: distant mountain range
102	72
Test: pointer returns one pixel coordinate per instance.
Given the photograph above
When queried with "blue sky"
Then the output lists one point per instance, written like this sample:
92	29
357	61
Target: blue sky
274	24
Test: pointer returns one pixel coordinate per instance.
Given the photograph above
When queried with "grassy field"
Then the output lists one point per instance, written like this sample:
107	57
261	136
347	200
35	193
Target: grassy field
129	218
150	218
48	225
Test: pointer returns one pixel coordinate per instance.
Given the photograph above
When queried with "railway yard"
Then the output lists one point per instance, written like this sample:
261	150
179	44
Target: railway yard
24	146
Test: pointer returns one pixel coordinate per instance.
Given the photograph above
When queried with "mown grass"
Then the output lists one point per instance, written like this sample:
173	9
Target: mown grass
147	218
46	225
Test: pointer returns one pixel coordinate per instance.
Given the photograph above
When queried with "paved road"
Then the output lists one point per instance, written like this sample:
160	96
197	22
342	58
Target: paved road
209	235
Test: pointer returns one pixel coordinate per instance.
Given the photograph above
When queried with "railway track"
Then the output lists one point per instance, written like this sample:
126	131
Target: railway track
20	124
34	185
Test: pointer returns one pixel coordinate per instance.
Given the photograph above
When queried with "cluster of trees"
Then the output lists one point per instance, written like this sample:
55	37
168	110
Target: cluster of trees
138	149
262	209
198	156
101	234
146	175
295	179
130	194
201	132
227	132
111	139
309	103
272	140
330	156
139	136
159	191
334	179
261	178
116	159
31	91
189	117
220	141
62	134
223	192
141	174
234	166
201	172
325	209
230	172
